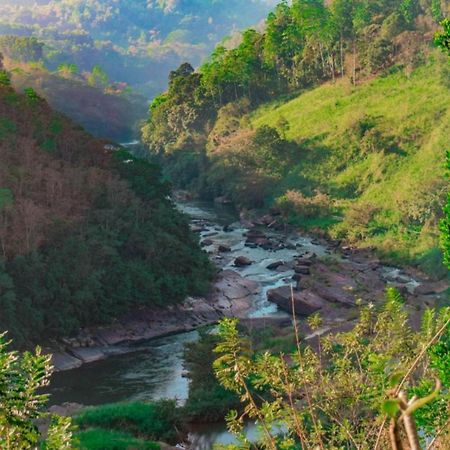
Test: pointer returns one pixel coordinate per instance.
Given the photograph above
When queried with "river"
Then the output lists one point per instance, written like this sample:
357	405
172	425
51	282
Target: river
154	370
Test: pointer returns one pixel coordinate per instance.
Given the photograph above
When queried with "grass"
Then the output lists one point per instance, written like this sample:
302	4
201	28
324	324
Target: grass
99	439
150	421
395	164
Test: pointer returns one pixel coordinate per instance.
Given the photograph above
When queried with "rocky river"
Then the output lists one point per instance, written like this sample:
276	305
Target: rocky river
141	356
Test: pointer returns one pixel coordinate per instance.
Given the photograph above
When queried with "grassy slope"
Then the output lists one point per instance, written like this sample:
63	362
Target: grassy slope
414	110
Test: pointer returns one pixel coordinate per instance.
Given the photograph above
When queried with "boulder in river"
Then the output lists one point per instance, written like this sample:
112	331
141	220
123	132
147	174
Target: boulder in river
255	234
242	261
305	303
334	295
224	248
206	243
302	270
304	262
275	265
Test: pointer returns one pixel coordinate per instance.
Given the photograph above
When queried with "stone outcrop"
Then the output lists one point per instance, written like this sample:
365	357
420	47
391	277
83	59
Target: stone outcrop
242	261
305	302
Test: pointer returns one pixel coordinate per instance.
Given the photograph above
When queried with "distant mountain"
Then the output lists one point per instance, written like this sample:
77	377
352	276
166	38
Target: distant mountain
101	61
136	41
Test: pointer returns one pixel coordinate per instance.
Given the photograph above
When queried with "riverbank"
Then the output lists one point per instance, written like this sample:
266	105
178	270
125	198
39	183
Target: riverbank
232	295
258	260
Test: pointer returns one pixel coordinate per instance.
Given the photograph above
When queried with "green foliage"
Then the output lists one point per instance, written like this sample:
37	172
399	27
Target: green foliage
98	77
99	439
208	400
22	376
408	9
353	144
343	395
90	252
445	224
442	38
153	421
372	158
32	96
4	78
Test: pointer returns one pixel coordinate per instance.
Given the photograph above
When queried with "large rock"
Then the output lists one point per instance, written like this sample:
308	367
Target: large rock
305	303
428	288
334	295
255	234
275	265
233	294
242	261
64	361
224	248
88	355
302	270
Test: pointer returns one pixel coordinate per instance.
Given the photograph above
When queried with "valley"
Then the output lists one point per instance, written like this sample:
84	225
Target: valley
262	263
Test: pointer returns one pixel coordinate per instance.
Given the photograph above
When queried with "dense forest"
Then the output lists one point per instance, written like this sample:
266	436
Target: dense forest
333	151
111	57
86	233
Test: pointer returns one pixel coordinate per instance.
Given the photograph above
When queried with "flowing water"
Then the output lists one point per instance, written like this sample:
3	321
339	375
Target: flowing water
154	370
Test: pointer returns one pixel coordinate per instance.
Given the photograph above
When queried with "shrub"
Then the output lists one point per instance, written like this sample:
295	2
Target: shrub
208	400
358	391
22	376
4	78
294	202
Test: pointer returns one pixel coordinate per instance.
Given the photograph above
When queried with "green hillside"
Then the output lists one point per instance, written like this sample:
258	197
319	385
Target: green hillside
336	114
82	227
378	150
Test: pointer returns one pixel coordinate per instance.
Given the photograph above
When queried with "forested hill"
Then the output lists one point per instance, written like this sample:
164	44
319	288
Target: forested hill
336	114
100	61
86	232
134	41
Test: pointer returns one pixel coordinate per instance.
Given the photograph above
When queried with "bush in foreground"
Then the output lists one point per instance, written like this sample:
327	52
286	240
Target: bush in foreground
370	388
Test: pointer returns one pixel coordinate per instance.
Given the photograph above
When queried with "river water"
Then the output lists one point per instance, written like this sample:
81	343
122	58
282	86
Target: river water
154	370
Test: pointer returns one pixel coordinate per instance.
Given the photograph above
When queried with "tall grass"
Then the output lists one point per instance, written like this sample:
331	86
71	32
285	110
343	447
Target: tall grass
397	167
157	421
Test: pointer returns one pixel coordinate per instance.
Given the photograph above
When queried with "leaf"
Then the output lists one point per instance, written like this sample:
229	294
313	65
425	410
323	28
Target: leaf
395	378
391	407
